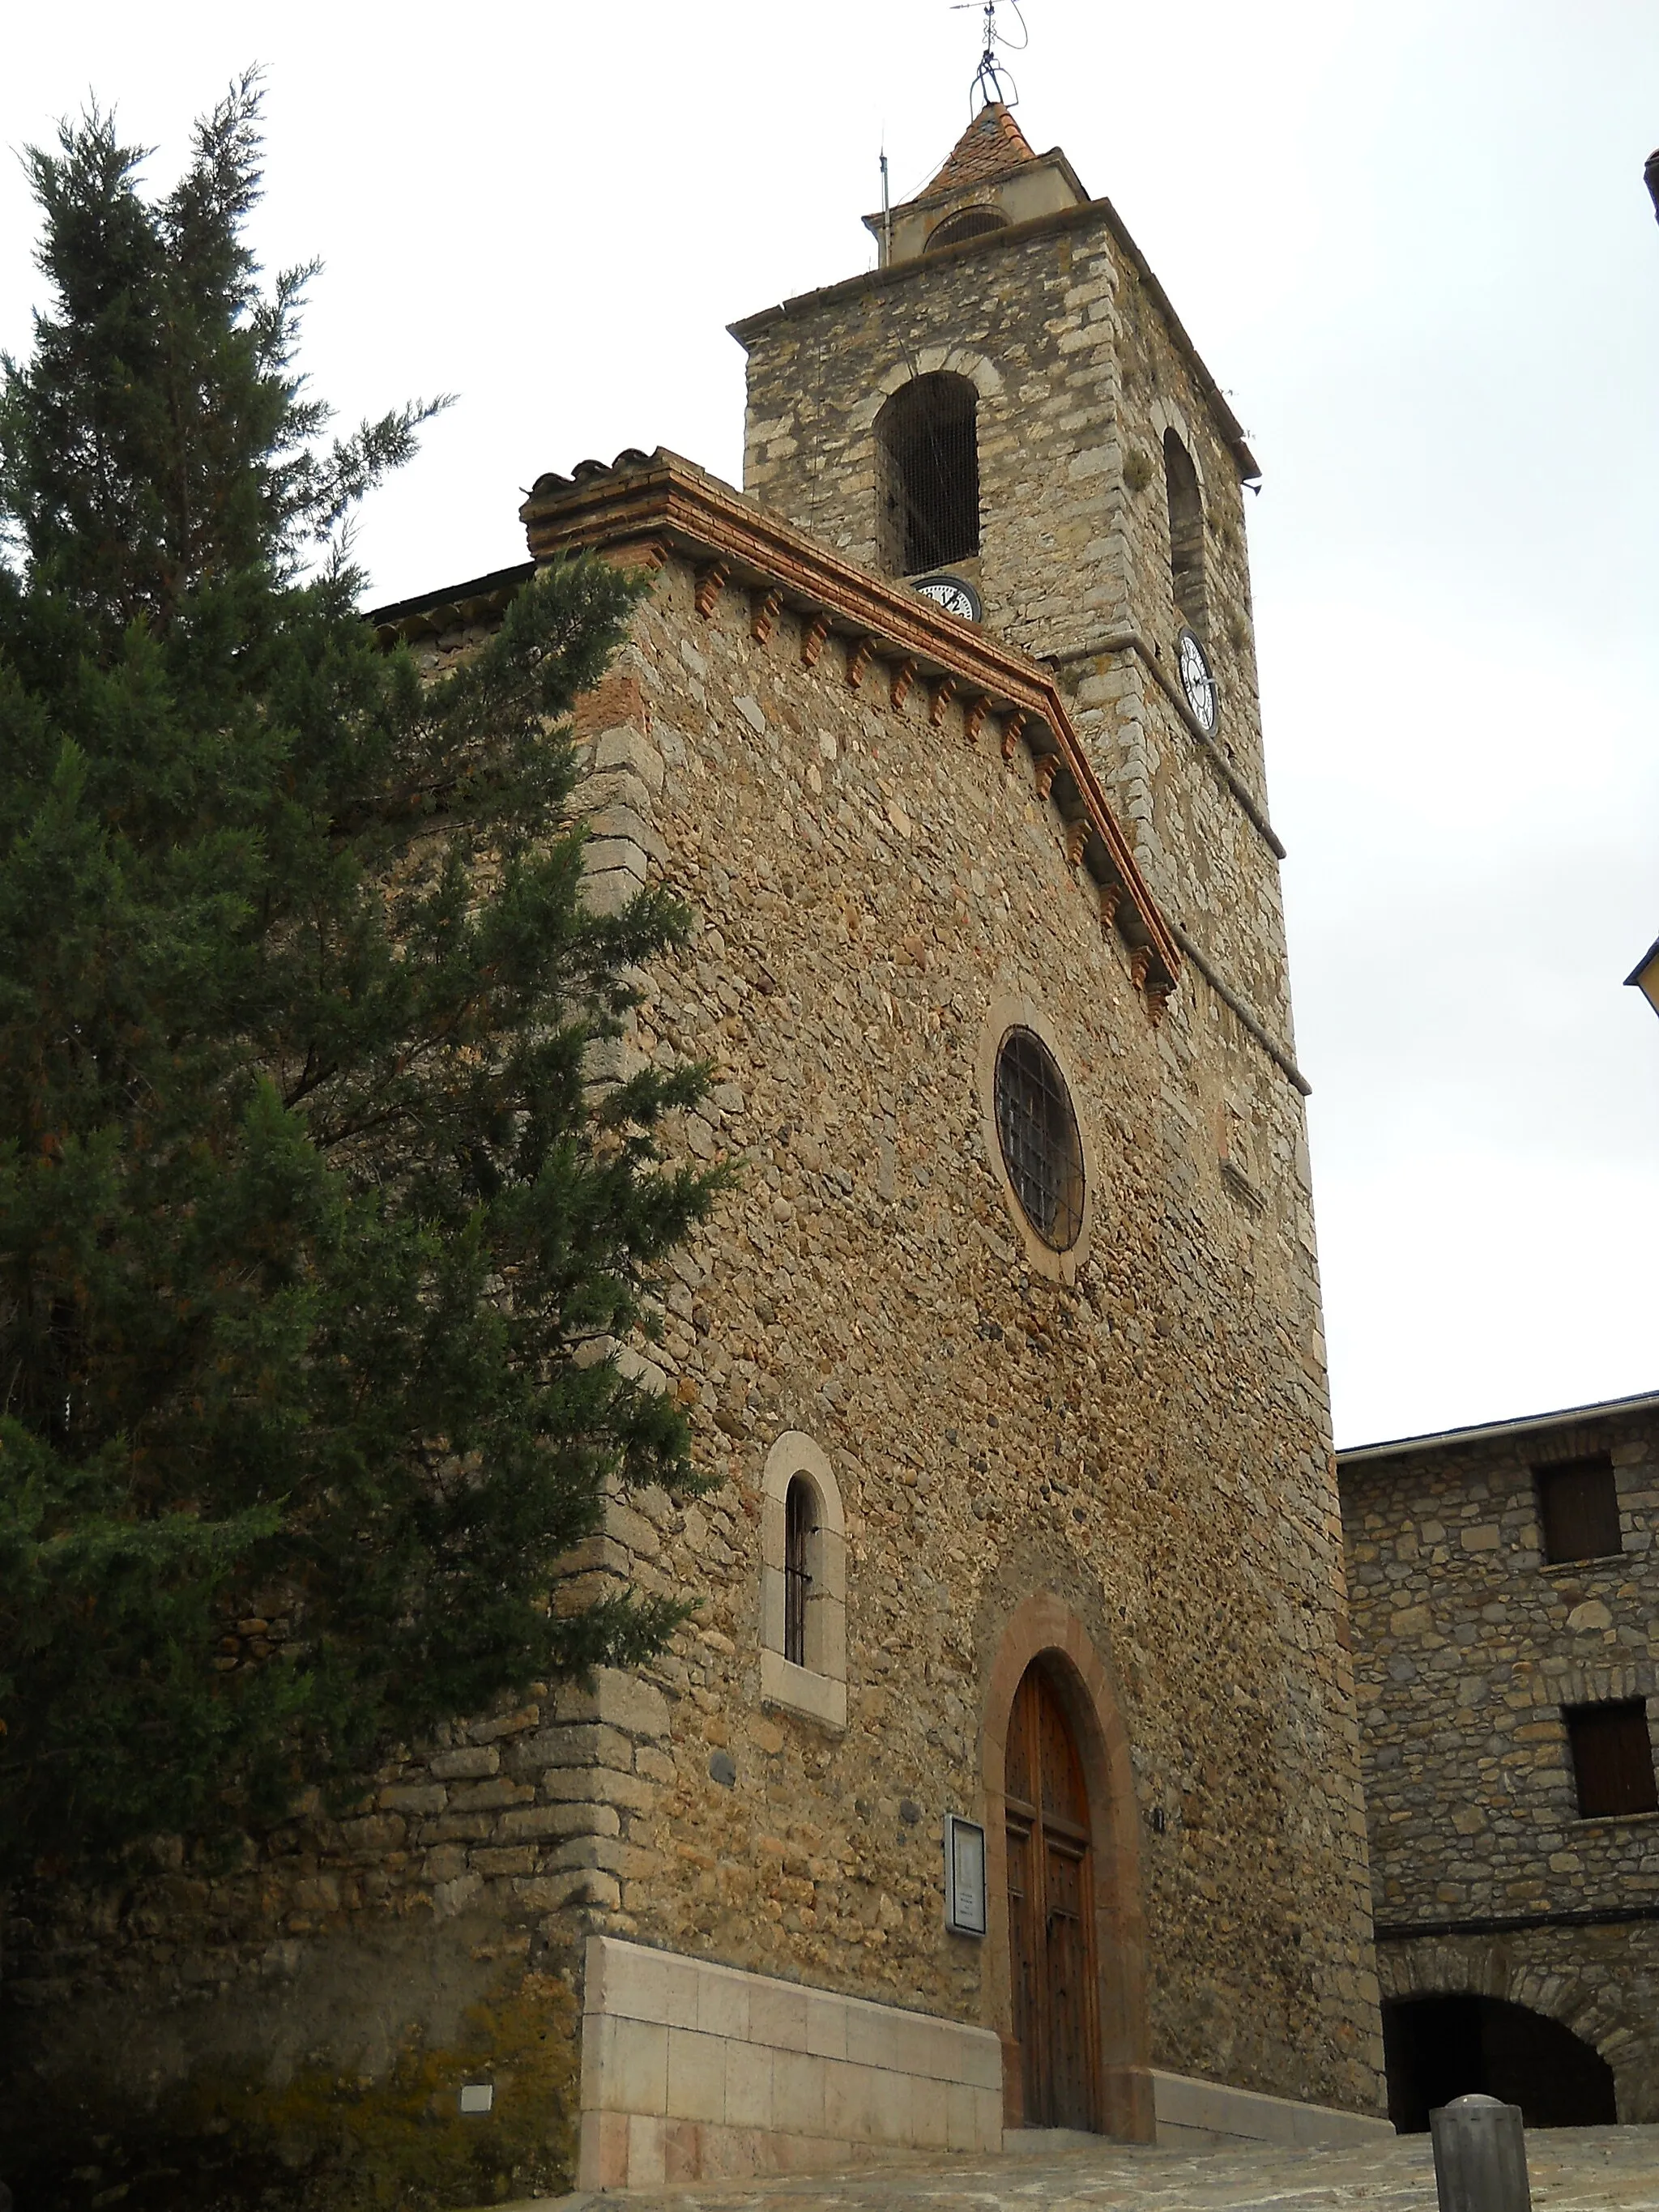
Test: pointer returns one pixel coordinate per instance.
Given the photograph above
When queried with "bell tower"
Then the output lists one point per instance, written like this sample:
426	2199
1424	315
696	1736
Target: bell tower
1008	402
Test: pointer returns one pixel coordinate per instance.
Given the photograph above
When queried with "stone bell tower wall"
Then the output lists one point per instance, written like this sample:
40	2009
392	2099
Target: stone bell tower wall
1080	364
1081	368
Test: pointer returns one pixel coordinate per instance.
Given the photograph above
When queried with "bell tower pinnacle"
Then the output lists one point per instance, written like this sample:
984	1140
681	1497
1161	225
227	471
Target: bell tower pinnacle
991	179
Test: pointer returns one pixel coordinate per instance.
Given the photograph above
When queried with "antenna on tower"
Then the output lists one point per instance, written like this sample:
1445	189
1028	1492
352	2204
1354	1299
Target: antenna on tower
993	83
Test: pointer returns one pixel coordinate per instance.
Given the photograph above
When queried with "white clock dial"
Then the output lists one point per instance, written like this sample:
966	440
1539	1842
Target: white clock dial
955	597
1198	682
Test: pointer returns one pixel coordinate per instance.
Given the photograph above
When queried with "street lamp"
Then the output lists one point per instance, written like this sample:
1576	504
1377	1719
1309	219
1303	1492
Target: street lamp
1645	975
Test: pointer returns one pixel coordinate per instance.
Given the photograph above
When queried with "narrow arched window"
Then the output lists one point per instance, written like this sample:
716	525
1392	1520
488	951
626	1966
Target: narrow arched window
800	1523
803	1592
1186	532
928	448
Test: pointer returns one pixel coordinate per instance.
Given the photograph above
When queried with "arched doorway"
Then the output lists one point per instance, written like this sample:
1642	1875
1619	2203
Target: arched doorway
1437	2048
1042	1639
1051	1915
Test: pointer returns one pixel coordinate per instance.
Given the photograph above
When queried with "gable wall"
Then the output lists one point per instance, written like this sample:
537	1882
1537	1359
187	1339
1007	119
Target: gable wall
1150	1441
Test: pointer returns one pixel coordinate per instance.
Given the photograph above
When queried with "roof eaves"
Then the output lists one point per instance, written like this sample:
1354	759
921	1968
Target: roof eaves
1497	1431
660	503
453	606
925	202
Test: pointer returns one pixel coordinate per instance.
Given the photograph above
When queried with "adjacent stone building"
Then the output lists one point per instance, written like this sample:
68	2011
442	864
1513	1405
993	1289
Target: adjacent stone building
1505	1588
1007	1773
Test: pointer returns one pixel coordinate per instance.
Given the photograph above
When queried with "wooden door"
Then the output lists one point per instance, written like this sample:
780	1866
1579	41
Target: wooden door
1051	1946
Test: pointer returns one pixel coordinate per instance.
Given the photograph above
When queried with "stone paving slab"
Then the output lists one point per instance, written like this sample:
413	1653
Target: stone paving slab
1572	2170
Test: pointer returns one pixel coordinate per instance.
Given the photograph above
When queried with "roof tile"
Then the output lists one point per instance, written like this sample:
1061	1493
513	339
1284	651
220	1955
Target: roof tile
991	144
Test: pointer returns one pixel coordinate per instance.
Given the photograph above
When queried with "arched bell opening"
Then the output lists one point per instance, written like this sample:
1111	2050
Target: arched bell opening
1186	501
968	222
927	475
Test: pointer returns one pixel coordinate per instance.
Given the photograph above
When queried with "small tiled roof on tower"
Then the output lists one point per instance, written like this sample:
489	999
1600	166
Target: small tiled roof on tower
991	144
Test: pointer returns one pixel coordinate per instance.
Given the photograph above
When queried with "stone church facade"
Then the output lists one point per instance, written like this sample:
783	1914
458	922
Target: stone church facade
1007	1772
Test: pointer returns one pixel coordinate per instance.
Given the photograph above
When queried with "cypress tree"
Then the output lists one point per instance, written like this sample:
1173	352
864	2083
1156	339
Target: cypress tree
309	1224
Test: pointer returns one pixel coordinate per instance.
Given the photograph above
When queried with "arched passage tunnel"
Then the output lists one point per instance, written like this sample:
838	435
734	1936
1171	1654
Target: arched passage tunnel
1441	2047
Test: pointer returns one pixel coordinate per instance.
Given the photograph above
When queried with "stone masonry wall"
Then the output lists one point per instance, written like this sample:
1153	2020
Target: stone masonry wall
1078	373
1466	1647
1151	1443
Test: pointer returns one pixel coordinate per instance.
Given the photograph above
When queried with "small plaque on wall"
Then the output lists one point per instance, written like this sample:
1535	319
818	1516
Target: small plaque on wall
964	1876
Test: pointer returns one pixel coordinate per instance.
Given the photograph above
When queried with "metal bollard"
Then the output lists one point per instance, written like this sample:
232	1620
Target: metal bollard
1480	2156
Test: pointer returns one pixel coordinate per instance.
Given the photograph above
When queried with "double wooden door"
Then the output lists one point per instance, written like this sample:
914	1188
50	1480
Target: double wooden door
1051	1936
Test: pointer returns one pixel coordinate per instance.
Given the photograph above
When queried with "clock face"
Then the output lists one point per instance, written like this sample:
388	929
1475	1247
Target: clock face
1198	682
957	597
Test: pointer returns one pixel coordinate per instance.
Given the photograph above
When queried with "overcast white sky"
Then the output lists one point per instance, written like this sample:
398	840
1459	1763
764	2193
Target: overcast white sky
1413	246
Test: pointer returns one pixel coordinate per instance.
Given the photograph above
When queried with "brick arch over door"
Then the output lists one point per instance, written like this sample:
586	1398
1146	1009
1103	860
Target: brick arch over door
1488	1968
1044	1627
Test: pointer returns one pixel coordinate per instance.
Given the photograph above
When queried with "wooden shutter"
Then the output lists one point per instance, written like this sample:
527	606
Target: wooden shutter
1578	1507
1611	1759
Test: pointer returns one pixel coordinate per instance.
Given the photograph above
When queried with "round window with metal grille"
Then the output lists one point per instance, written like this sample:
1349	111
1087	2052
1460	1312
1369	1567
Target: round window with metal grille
1038	1132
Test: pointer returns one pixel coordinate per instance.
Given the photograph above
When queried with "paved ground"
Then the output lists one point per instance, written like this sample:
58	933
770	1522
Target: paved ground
1571	2169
